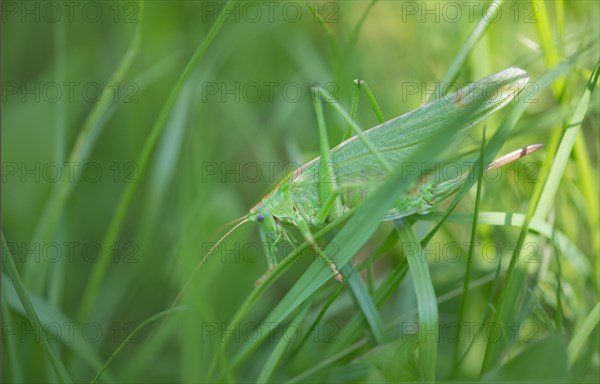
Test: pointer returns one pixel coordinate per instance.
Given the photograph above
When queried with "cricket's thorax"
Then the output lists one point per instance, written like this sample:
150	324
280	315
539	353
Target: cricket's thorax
279	204
283	206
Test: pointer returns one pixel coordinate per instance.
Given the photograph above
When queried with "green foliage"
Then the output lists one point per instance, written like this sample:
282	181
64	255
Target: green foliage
196	98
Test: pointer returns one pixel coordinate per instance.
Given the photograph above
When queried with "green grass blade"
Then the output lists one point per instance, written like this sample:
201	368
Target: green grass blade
11	270
57	281
544	28
317	320
582	335
356	30
511	293
56	325
559	315
12	361
95	282
257	292
469	264
367	217
564	150
35	274
544	361
350	239
393	362
374	104
275	356
327	363
461	58
577	257
365	302
137	329
389	326
353	328
500	138
585	169
426	300
333	44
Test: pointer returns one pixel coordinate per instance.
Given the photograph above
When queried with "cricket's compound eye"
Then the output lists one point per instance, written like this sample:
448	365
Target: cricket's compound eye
260	217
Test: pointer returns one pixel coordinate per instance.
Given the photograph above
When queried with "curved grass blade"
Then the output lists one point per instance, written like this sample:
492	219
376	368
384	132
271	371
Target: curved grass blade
356	30
317	320
501	135
461	58
353	327
367	217
138	328
582	335
13	365
56	324
365	302
544	361
256	293
468	267
95	281
426	300
32	316
576	258
511	291
354	348
35	273
544	29
275	356
565	148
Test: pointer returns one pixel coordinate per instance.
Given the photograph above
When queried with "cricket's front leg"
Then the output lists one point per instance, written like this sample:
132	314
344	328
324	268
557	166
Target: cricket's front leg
302	226
270	250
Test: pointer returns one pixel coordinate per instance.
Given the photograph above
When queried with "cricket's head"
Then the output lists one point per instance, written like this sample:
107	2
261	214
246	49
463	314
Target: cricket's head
266	220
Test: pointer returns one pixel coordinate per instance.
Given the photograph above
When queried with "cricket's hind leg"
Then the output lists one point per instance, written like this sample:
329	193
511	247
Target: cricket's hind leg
361	85
331	205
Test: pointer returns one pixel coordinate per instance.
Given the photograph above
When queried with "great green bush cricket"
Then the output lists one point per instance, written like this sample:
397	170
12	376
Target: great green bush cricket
342	177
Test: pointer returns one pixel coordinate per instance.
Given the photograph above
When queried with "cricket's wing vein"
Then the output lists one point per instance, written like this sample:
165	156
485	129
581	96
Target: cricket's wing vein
353	164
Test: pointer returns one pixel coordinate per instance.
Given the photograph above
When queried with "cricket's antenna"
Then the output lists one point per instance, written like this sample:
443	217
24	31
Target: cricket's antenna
227	224
242	220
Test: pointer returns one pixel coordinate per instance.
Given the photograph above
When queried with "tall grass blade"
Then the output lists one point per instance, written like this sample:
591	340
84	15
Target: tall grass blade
581	337
469	264
461	58
511	293
275	356
499	138
46	228
95	282
56	325
127	339
565	148
13	274
365	302
426	301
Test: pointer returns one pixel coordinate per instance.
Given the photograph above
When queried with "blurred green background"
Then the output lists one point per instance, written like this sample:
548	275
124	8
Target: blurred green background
121	164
